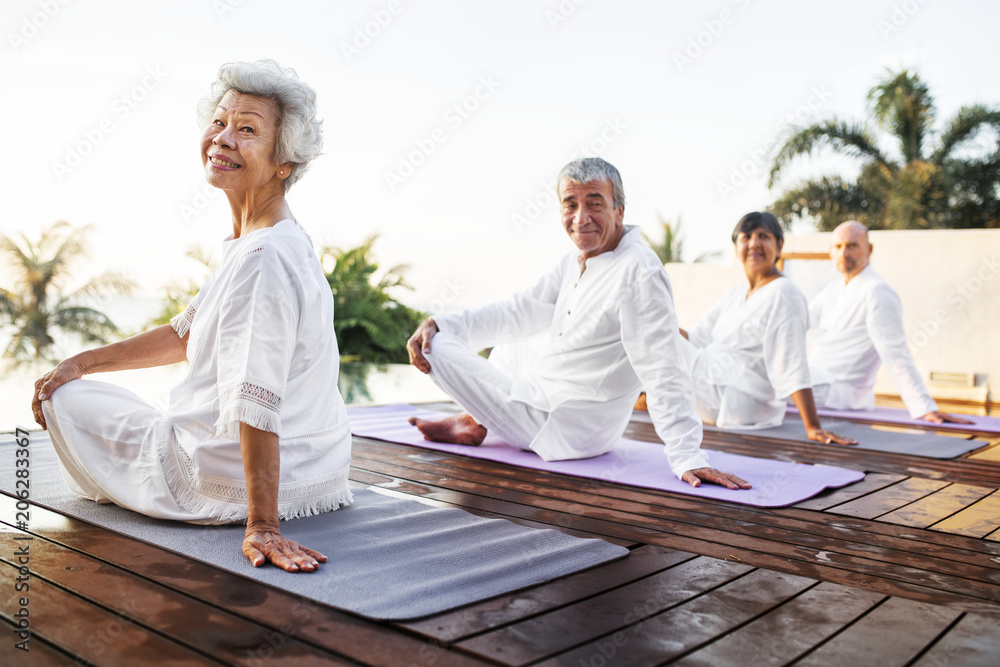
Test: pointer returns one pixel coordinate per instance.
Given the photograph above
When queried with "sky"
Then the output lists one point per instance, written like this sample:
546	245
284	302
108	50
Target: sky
446	121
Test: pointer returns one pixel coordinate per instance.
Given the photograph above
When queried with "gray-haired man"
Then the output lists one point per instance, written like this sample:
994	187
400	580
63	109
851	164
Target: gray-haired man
610	330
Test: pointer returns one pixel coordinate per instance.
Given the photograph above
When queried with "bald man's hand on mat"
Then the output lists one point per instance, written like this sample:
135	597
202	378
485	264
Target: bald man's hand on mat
420	343
828	437
698	475
261	545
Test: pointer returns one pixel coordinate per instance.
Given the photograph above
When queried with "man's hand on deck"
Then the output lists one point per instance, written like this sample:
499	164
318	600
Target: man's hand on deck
829	437
420	343
698	475
261	545
944	418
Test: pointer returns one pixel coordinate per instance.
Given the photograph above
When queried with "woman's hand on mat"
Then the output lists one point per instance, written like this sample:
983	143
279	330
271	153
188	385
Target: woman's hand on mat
420	343
820	434
698	475
944	418
261	545
48	383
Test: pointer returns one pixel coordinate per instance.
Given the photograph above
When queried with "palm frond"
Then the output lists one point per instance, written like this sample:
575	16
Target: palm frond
851	139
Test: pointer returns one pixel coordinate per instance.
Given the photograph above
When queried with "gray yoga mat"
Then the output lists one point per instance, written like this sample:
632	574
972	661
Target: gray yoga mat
919	444
388	558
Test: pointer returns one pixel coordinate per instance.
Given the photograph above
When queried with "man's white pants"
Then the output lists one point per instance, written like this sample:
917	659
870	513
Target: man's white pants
483	390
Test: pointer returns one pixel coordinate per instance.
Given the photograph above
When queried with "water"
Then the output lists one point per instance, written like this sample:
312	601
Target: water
360	383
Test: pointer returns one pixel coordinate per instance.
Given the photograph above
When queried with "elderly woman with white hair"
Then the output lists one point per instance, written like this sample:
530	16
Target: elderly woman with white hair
257	430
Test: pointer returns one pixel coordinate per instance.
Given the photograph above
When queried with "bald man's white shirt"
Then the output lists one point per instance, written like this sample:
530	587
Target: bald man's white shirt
860	326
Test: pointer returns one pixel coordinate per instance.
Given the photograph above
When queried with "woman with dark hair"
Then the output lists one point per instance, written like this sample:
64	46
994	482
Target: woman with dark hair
748	353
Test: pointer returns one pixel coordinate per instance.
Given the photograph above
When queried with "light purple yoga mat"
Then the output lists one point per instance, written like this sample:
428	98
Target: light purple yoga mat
902	417
775	483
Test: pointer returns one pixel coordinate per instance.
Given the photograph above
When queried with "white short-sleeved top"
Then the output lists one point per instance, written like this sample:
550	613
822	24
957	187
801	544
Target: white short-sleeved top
262	351
755	349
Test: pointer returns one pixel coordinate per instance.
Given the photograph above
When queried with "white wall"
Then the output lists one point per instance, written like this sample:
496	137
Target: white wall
948	281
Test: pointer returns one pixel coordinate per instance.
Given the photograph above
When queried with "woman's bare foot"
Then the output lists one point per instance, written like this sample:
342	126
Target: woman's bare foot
457	430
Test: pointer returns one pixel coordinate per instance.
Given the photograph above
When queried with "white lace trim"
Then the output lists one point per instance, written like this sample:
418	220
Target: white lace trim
181	322
251	404
225	500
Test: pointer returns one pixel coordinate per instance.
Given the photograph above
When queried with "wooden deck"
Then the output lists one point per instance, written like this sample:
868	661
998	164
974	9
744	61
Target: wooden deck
900	569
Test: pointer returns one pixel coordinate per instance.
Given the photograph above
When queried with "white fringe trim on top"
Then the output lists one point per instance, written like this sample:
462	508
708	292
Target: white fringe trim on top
251	404
181	322
225	500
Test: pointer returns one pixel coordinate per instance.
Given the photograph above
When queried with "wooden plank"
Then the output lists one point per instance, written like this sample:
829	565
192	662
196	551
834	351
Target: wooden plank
717	527
978	520
890	498
894	633
937	506
789	631
973	642
483	476
548	634
199	626
39	654
686	626
490	614
89	631
964	470
873	481
991	453
364	641
994	536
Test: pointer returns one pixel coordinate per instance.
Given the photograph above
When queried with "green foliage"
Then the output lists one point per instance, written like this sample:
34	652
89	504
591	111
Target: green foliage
937	180
37	306
671	249
370	324
179	294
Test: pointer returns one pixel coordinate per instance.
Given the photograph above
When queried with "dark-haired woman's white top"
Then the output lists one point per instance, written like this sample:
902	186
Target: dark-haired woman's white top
748	355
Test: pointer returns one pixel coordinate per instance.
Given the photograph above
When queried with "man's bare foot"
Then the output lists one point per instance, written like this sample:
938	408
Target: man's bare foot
457	430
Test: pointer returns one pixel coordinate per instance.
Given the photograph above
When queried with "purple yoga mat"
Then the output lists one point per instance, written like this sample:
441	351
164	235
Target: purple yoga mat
902	417
775	483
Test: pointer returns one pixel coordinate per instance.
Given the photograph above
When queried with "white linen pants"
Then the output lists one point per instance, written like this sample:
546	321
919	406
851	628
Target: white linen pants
483	388
109	441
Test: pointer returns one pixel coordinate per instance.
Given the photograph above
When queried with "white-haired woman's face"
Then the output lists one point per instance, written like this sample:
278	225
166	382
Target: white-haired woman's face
237	148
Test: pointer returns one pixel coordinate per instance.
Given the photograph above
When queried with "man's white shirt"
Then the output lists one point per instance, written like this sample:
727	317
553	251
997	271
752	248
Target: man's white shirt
609	332
860	326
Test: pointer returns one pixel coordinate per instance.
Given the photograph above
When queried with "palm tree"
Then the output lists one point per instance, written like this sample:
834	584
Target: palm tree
178	295
37	308
671	249
370	324
922	179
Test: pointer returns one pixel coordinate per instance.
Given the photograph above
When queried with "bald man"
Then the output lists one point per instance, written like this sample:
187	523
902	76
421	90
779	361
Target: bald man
860	322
